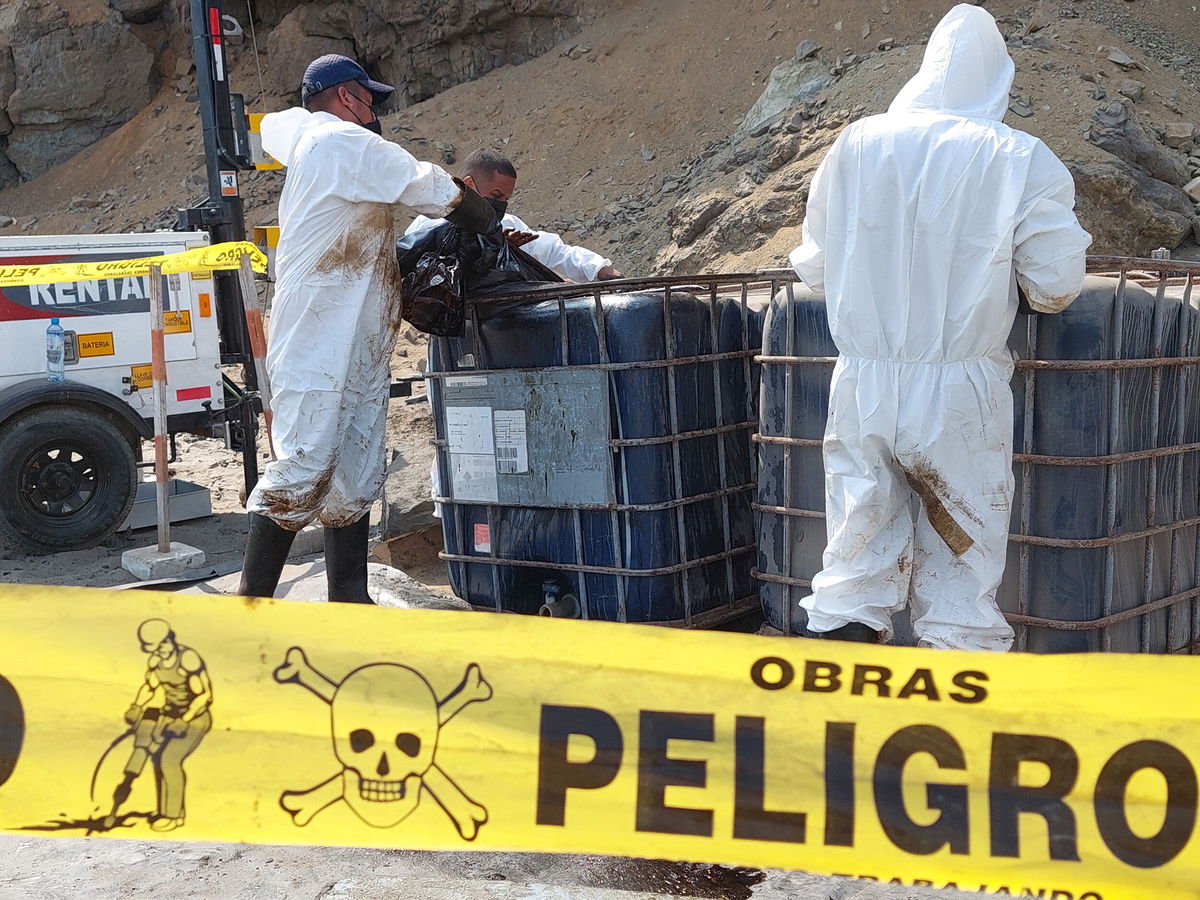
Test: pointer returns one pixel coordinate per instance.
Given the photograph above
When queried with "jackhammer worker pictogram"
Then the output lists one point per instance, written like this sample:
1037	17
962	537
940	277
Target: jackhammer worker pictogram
166	734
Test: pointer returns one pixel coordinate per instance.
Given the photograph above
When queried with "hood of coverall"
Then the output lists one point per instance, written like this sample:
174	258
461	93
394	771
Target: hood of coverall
281	131
966	70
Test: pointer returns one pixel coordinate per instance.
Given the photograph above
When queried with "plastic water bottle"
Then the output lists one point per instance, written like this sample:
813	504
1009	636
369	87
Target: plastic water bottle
55	343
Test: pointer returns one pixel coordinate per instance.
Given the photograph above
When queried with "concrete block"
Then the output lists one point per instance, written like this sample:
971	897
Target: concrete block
393	588
309	540
146	563
407	499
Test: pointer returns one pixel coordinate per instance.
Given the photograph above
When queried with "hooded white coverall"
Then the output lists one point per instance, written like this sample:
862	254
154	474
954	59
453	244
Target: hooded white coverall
920	224
336	312
571	262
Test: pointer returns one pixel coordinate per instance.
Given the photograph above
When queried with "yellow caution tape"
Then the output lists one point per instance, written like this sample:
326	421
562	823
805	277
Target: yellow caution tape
199	261
1070	777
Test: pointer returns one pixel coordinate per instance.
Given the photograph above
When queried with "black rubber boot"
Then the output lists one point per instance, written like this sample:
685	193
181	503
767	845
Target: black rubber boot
853	631
267	548
346	562
472	213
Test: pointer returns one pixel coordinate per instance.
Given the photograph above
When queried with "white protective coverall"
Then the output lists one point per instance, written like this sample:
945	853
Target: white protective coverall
920	224
336	312
571	262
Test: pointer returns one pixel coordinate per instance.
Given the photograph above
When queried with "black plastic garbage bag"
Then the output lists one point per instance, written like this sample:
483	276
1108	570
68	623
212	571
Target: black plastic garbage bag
462	265
433	295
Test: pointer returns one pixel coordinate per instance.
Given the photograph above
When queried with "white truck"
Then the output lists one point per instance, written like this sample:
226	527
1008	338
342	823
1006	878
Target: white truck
69	450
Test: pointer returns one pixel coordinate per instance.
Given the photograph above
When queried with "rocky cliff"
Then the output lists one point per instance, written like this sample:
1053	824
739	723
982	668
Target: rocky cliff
1124	123
73	71
68	76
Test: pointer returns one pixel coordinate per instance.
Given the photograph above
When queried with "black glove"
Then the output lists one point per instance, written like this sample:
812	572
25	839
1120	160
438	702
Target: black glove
472	213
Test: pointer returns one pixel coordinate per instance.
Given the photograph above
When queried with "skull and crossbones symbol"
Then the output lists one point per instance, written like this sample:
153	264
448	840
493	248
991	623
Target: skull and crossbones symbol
385	721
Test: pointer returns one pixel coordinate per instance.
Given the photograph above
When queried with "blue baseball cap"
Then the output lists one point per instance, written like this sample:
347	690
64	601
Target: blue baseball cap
333	69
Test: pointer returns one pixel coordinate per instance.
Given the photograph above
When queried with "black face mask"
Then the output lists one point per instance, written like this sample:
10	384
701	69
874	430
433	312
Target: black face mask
374	126
500	206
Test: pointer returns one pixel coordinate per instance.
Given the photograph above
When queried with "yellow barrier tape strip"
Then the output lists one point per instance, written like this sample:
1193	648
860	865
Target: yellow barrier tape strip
1069	777
199	261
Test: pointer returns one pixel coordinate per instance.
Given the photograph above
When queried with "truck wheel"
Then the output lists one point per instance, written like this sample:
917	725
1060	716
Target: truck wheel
67	479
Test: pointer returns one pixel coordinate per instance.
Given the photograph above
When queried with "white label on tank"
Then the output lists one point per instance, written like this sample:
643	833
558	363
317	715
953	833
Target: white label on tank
469	429
467	381
512	450
473	477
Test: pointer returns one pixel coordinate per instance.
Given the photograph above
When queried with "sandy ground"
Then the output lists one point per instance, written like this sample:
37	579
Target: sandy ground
646	79
654	77
65	869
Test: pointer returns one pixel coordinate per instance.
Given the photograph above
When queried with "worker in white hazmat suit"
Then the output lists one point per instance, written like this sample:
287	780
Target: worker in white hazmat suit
921	224
334	321
495	178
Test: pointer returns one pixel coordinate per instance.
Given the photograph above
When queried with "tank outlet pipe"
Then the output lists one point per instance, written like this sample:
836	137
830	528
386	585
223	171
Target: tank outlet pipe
158	371
558	603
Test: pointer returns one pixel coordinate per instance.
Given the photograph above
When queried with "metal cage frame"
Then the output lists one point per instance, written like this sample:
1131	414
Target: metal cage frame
708	288
1155	274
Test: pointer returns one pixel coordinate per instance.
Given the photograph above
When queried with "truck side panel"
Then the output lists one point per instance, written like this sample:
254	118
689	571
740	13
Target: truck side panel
108	322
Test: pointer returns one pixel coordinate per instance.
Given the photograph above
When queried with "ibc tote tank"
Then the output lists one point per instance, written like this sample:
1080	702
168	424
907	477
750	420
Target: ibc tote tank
1103	553
596	457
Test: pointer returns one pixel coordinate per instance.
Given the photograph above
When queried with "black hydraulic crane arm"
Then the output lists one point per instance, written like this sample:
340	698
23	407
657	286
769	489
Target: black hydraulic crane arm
226	153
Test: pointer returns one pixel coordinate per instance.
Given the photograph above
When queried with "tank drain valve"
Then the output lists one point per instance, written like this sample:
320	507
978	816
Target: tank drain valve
559	602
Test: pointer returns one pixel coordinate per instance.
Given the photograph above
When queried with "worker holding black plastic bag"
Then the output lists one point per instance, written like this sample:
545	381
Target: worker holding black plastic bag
440	262
444	265
336	314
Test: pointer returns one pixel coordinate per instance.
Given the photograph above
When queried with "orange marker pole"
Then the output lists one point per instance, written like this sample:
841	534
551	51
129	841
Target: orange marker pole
258	341
158	365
